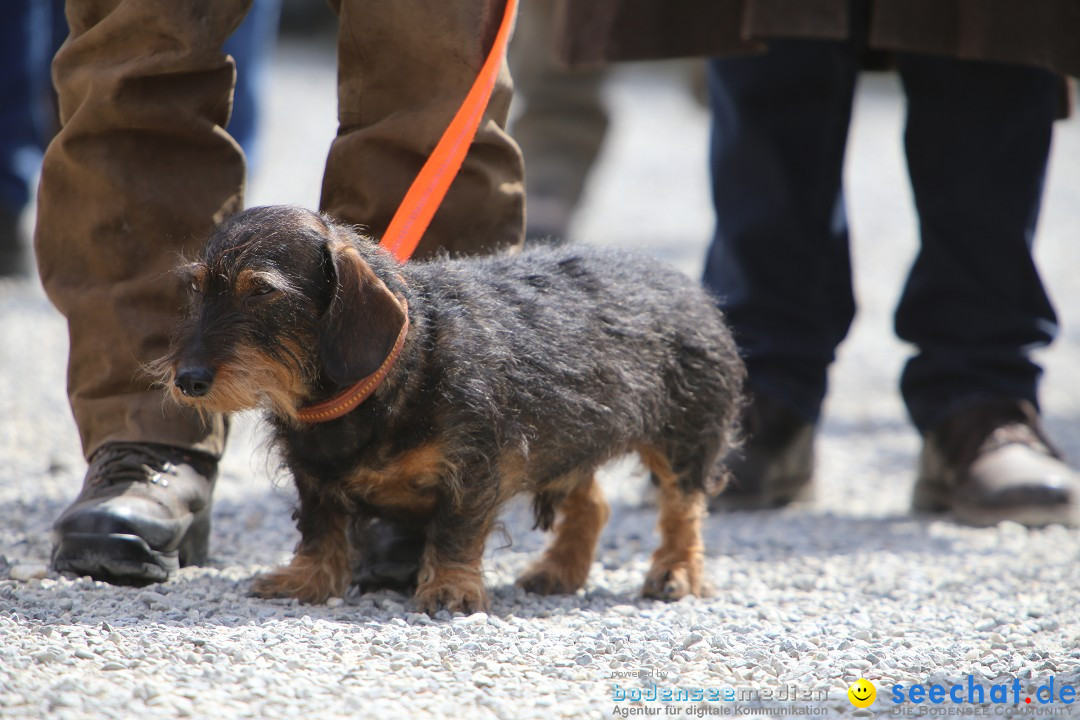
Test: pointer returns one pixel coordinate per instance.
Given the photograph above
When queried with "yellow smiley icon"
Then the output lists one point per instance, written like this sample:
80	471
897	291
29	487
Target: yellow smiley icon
862	693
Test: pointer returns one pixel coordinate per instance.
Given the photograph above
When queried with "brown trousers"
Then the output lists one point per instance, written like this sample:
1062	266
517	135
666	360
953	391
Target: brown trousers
142	170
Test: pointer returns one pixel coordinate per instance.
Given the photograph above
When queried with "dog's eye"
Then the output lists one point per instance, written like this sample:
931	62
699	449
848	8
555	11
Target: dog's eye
262	291
194	287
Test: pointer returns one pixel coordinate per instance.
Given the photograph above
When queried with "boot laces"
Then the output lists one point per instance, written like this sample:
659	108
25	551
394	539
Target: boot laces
131	462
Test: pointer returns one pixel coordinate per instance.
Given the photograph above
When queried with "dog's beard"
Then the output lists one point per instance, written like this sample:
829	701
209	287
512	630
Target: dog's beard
248	380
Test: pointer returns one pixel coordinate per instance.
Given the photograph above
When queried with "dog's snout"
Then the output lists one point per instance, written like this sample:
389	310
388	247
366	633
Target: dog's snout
194	381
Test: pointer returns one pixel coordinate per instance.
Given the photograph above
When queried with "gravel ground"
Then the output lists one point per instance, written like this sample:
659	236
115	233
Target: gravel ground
807	599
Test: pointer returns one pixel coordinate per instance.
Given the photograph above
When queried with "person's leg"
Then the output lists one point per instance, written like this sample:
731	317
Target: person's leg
978	141
250	47
403	70
779	262
139	173
560	126
23	56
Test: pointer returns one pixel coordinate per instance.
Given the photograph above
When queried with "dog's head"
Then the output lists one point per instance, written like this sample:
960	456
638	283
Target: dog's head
284	305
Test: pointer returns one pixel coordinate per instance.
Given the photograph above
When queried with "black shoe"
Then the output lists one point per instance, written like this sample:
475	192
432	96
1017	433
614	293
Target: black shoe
775	465
388	555
993	462
144	512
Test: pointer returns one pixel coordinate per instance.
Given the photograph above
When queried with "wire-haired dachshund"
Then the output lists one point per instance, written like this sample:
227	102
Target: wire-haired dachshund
428	393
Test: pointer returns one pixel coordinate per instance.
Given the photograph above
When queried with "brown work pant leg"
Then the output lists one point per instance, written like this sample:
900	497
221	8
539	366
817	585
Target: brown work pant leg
139	174
404	67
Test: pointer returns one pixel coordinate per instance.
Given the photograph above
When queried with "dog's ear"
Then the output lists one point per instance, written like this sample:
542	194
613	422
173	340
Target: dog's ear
362	323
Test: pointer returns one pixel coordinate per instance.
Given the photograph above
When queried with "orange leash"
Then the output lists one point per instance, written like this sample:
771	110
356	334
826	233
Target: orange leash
429	188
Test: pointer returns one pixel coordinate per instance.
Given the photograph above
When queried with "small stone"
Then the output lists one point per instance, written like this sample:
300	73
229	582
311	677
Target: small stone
335	602
66	699
25	572
47	656
474	619
151	598
692	640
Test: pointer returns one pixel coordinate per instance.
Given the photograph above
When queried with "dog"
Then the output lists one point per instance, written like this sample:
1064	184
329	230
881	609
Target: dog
429	393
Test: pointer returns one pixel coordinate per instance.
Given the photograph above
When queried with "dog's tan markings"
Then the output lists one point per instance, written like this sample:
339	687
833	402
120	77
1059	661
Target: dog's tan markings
678	565
318	570
511	469
565	564
458	587
408	483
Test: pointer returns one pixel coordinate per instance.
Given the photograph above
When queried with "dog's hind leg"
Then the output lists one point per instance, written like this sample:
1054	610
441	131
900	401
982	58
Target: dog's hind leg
678	564
565	564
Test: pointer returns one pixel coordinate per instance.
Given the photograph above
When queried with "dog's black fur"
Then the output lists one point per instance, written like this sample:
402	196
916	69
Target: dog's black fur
519	373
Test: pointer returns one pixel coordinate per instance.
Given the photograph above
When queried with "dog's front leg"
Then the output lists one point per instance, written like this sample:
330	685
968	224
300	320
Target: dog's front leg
320	567
451	570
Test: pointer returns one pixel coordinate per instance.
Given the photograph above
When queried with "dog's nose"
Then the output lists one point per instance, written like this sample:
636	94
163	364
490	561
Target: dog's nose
194	381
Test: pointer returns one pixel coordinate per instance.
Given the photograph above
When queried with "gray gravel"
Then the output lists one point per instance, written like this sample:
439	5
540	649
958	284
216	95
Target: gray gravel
806	599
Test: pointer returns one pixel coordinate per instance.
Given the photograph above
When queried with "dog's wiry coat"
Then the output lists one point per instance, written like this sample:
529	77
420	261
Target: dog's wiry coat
518	374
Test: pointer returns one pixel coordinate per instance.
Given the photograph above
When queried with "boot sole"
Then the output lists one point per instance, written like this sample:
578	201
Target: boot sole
125	559
116	558
931	498
780	493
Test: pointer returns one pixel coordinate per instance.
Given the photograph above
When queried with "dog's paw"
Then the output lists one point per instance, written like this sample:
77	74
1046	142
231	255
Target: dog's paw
288	583
466	598
672	582
543	578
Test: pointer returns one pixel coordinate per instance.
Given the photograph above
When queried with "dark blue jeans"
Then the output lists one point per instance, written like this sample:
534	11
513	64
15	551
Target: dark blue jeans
977	142
30	32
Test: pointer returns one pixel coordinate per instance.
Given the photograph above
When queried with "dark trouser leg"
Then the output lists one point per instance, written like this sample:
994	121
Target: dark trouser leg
977	140
251	47
23	81
779	260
